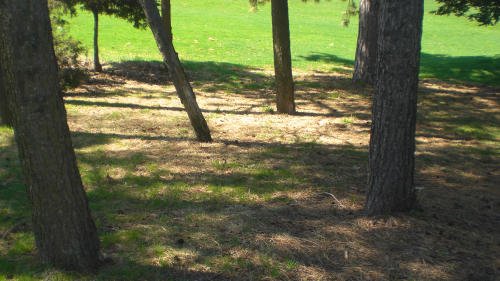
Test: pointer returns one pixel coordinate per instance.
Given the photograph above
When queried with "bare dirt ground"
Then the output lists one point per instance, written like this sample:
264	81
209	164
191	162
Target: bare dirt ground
256	203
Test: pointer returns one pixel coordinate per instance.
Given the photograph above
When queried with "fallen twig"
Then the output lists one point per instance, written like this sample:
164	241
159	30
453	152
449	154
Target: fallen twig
334	198
12	229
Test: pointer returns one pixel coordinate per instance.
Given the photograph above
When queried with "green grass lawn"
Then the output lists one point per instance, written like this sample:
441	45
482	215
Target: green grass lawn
227	31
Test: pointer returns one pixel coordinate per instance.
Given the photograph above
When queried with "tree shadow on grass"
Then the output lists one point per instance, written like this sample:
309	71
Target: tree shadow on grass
464	69
207	76
157	224
254	209
464	114
333	112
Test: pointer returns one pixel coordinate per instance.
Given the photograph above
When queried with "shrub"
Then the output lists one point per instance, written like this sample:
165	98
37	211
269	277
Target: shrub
67	49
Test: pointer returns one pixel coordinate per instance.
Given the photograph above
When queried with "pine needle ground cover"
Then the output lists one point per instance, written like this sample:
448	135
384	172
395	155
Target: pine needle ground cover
256	204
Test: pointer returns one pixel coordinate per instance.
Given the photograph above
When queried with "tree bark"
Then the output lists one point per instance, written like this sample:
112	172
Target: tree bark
285	94
97	63
179	77
392	143
65	233
365	67
5	115
166	16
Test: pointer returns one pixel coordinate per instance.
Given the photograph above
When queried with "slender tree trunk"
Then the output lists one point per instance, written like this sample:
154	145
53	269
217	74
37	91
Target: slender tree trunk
65	233
97	63
166	15
365	67
5	115
392	143
285	96
179	77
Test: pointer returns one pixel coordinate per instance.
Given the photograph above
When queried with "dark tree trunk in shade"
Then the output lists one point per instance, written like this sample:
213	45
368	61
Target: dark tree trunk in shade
392	143
285	95
97	63
365	67
5	115
166	16
65	233
179	77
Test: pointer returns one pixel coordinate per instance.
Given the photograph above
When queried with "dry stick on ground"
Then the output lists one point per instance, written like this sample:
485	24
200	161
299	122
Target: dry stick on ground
179	77
334	198
12	229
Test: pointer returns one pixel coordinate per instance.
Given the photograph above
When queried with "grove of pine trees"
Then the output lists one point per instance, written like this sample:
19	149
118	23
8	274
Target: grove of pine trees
387	57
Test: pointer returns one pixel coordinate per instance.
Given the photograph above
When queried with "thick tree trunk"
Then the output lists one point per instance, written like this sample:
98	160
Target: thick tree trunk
285	96
392	143
365	67
65	233
97	63
166	16
179	77
5	115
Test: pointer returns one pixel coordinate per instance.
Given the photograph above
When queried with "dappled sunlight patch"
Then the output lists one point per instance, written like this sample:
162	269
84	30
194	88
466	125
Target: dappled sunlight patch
424	270
167	256
274	197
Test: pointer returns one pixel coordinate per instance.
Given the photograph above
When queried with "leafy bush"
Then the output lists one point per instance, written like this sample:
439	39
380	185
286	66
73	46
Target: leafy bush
67	49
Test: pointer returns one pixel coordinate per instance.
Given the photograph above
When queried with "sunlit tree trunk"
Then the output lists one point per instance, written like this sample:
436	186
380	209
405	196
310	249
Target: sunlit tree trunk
365	67
97	63
166	16
65	233
179	77
392	143
285	93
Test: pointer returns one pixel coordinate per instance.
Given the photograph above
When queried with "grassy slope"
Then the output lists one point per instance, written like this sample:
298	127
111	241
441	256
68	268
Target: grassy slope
225	31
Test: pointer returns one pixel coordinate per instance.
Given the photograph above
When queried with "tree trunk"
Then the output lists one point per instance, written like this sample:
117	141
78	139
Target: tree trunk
65	233
166	15
97	63
5	115
392	143
285	100
365	67
179	77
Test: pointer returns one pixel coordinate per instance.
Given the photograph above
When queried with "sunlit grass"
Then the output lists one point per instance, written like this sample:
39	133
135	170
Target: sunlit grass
226	31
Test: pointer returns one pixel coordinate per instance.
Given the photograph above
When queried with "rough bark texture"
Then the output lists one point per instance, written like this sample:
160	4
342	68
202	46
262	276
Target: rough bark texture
285	96
179	77
365	66
97	63
5	115
392	143
166	16
65	233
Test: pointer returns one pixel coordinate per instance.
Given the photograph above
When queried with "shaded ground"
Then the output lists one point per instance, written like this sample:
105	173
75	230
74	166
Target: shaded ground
253	205
458	69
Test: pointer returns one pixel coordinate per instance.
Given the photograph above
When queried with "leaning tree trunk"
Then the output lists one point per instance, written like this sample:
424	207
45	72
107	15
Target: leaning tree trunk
392	143
5	115
65	233
179	77
285	96
97	63
365	66
166	16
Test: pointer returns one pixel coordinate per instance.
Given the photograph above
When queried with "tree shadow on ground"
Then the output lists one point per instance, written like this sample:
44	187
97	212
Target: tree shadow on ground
207	76
464	69
159	223
253	209
221	80
452	112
